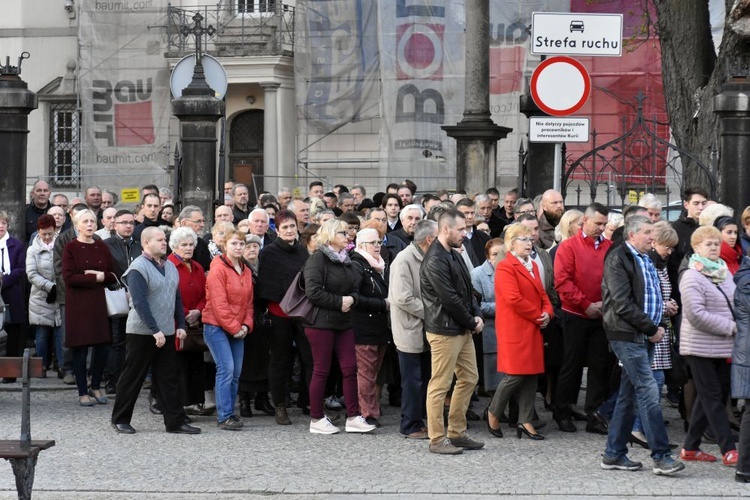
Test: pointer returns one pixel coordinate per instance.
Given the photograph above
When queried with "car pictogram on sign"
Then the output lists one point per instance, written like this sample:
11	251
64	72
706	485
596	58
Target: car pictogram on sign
576	26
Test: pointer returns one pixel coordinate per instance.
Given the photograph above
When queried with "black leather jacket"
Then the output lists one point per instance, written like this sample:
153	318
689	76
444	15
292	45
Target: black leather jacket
449	303
623	288
123	254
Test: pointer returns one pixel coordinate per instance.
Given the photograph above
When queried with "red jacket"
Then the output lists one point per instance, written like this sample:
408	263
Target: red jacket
579	268
229	296
192	284
520	301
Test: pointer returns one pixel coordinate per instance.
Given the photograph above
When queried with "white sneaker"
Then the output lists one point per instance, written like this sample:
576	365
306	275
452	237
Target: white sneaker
358	424
323	426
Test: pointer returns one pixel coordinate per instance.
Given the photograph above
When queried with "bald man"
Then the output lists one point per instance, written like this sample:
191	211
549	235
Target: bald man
39	205
550	210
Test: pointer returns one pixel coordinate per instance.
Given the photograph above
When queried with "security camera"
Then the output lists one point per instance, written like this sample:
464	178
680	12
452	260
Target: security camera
69	5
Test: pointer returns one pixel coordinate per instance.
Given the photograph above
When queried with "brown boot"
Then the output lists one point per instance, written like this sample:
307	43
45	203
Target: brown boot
282	418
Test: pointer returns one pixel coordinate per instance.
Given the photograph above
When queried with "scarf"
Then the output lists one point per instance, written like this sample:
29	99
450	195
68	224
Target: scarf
715	270
342	256
378	265
732	256
528	263
5	264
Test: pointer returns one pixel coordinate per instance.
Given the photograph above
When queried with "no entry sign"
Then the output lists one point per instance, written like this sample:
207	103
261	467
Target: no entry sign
560	86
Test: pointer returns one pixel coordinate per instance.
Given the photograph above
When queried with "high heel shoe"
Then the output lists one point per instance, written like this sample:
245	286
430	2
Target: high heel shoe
521	430
636	440
495	432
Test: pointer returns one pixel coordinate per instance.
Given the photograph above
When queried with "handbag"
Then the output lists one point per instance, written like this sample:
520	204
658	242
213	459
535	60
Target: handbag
295	303
117	300
678	374
193	342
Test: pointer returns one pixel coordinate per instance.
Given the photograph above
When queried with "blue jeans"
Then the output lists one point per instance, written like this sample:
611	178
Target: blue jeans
638	392
42	347
227	353
659	377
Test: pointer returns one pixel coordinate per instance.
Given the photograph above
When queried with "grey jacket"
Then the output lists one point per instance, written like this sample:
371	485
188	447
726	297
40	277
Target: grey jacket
483	280
405	298
741	351
40	270
707	324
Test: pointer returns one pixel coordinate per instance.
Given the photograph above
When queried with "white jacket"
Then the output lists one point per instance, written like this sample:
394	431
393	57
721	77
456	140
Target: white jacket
404	296
41	273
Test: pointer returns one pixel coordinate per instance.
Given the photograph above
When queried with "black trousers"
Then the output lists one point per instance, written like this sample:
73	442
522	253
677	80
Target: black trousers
743	465
585	344
192	378
284	333
116	350
255	365
142	353
711	378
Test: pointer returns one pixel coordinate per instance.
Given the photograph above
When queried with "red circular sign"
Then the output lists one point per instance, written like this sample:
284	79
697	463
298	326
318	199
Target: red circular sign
560	86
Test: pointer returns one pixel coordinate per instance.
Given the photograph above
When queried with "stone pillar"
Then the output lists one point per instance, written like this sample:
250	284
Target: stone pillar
541	156
270	137
733	107
198	111
16	102
476	134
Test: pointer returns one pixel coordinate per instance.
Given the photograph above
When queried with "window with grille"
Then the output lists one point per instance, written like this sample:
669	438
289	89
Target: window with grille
255	6
64	158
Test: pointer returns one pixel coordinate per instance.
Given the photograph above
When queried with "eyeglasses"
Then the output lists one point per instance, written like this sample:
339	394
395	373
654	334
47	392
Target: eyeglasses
126	223
342	233
524	239
376	243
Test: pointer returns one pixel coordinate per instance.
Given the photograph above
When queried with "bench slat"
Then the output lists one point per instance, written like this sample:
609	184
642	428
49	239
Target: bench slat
19	449
13	367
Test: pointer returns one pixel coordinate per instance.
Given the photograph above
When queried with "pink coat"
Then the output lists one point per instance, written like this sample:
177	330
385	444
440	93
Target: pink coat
708	326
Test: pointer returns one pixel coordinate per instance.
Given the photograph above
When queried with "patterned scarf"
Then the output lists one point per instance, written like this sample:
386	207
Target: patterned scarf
715	270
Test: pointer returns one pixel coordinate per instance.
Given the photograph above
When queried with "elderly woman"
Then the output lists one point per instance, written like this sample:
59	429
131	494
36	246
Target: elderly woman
483	279
254	376
218	237
524	206
706	340
44	313
227	319
731	250
86	270
371	330
332	284
278	265
192	287
12	255
523	309
665	239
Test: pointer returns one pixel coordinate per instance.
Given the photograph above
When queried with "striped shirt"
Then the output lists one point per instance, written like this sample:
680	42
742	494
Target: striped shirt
653	305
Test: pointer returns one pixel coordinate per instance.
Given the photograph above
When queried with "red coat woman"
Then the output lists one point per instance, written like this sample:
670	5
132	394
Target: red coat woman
520	301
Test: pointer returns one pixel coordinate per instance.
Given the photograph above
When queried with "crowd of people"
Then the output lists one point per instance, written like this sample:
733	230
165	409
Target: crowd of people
435	299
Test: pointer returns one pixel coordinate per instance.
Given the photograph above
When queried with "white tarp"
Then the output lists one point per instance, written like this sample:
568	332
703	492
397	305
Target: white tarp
336	63
124	89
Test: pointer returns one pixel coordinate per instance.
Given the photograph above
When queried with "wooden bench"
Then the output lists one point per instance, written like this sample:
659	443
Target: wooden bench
22	453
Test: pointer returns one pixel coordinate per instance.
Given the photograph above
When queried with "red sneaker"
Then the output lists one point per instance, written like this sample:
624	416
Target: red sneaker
696	456
730	458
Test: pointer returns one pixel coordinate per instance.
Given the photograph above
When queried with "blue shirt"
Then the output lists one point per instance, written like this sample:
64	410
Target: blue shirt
653	304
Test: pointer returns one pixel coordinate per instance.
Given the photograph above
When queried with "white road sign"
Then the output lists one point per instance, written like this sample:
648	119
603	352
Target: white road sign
552	129
576	34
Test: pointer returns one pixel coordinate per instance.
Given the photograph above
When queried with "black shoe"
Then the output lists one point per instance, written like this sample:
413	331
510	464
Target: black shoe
187	420
521	430
471	415
153	405
123	428
596	427
494	432
374	421
246	405
601	419
578	416
566	425
262	404
185	429
741	477
110	389
635	440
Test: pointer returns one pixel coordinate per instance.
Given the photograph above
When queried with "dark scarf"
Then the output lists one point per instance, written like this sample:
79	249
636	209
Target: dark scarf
278	264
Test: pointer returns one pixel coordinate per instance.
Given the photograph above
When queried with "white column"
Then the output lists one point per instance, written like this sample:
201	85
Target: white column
270	137
287	130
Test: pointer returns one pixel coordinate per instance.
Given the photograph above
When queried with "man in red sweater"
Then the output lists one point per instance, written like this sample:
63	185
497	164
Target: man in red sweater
579	267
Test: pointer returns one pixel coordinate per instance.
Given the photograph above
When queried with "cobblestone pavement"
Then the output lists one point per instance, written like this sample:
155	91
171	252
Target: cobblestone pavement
91	461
